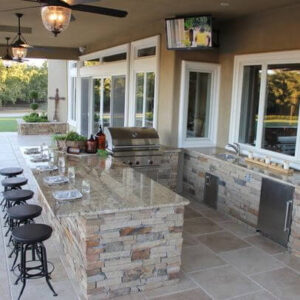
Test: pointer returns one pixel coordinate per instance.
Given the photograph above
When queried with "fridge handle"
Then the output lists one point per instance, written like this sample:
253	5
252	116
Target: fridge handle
287	209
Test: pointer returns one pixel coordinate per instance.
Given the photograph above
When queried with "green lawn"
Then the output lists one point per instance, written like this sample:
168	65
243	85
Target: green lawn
8	124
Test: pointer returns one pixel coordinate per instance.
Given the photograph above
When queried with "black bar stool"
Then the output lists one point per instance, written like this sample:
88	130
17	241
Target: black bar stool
10	172
15	197
21	215
31	236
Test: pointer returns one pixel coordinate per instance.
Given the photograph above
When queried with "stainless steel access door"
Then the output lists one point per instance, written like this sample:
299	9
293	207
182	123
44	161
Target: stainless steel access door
275	210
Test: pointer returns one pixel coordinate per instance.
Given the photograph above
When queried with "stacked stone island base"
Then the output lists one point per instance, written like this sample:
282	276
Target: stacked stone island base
121	253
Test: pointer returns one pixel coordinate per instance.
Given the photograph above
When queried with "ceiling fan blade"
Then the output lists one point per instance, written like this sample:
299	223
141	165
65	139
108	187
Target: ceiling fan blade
100	10
19	8
75	2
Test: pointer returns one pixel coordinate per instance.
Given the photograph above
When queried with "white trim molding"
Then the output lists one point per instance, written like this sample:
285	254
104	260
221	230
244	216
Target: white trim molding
262	60
215	71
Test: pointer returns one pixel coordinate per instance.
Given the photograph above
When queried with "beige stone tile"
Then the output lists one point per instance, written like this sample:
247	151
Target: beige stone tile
290	260
222	241
215	215
197	294
265	244
34	291
238	229
224	282
200	226
189	240
251	260
199	257
184	284
191	213
262	295
283	283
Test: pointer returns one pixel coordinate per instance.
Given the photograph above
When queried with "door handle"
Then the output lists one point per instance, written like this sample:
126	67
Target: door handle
207	180
287	209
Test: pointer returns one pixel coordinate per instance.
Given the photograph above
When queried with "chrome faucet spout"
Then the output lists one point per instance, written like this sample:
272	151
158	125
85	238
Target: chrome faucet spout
235	147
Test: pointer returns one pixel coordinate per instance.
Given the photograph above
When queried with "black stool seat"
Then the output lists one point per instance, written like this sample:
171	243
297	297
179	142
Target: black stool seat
31	233
14	182
24	212
18	195
10	172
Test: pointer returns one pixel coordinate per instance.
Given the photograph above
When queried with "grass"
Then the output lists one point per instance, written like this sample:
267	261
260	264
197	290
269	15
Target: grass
8	124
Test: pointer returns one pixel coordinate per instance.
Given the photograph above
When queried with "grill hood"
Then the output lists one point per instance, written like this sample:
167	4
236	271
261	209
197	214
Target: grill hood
131	139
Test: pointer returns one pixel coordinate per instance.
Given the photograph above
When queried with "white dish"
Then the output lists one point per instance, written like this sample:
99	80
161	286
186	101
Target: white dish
32	151
52	180
46	168
39	158
67	195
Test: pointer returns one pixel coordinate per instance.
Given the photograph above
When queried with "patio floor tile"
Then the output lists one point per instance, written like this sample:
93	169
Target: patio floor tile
199	257
265	244
238	229
222	241
283	283
251	260
197	294
290	260
224	282
200	226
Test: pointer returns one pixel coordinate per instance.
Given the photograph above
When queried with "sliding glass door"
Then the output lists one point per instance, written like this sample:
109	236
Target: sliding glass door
108	107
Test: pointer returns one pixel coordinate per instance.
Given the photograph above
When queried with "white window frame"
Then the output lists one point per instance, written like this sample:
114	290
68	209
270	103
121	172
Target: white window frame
263	60
72	73
145	65
215	71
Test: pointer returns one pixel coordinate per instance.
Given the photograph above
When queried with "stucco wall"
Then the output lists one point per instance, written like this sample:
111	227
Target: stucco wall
57	78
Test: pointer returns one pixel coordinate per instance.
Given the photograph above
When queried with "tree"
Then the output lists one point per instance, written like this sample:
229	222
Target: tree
18	82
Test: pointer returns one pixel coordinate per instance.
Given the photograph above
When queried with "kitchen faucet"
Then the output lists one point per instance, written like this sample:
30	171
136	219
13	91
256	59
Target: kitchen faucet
236	147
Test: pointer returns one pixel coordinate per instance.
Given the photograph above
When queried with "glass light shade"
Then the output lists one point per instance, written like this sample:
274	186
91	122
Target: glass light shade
19	52
56	18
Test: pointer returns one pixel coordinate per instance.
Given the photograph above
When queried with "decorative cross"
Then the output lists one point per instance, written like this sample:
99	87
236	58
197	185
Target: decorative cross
56	98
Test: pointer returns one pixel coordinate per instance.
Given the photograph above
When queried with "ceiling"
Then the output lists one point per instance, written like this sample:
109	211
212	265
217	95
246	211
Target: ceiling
89	28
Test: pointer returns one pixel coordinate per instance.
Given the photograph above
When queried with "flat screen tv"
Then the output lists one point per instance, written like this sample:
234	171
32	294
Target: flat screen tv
191	32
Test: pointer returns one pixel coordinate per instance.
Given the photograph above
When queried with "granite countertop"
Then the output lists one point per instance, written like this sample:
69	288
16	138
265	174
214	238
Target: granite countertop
114	187
211	152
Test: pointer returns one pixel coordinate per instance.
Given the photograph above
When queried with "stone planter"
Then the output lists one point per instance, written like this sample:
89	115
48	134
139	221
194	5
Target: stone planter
63	145
41	128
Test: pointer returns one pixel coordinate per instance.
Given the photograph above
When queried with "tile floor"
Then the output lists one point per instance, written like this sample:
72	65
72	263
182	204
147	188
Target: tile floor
221	259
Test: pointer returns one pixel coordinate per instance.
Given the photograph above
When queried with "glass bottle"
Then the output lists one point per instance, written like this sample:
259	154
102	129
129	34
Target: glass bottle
101	139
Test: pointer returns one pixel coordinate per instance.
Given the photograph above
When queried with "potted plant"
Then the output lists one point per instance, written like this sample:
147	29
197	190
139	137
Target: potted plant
71	139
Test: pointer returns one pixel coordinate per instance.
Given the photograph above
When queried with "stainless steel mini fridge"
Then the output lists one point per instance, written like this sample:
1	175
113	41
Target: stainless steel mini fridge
275	210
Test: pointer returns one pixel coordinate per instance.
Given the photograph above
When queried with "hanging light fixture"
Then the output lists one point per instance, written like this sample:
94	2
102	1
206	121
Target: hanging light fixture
56	18
19	44
7	59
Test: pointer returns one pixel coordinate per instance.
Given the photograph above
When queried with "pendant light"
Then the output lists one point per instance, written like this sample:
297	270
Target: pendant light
56	18
19	45
7	59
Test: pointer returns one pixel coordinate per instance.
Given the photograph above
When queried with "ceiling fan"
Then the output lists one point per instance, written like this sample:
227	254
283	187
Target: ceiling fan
57	14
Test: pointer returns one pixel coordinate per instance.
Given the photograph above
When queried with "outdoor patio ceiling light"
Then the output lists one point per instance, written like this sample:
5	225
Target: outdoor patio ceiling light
7	59
19	45
56	18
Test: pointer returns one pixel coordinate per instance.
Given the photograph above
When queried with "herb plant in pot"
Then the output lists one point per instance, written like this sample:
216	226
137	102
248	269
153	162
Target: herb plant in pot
72	139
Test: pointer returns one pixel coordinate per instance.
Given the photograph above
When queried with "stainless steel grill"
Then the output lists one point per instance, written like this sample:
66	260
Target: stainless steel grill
137	147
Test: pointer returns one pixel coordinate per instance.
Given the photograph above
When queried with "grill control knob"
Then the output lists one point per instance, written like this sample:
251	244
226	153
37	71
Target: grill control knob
130	163
150	162
137	162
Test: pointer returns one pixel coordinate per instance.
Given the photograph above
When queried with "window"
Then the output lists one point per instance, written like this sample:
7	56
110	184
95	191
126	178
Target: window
108	102
73	99
198	104
144	99
143	82
265	108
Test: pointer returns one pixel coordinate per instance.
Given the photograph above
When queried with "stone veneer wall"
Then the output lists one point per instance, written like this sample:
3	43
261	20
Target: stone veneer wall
121	253
239	191
41	128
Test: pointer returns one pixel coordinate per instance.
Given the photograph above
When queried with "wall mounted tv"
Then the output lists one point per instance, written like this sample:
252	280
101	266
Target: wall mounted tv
190	32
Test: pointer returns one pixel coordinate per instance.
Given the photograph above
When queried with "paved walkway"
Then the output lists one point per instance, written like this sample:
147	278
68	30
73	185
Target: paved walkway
221	258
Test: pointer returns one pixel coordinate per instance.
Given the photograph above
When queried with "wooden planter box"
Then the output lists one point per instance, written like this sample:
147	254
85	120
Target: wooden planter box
42	128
